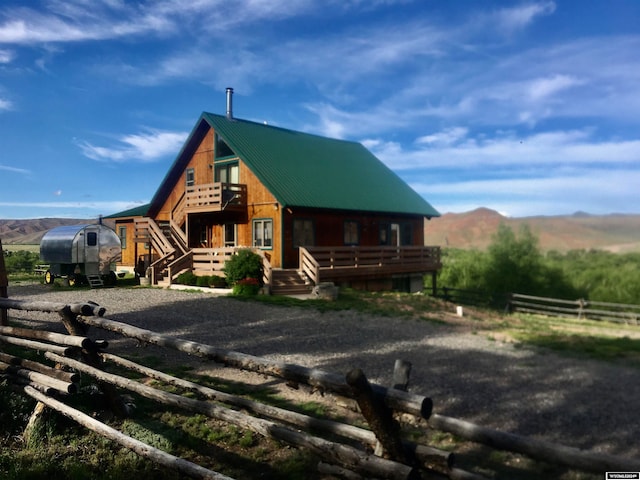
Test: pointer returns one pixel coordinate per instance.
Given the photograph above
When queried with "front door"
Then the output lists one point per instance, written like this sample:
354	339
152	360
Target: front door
394	234
91	251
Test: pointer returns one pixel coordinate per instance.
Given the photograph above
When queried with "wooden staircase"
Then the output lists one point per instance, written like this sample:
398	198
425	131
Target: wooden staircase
289	282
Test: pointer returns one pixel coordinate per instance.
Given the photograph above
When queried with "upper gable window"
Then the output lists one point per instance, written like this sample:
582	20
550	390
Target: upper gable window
190	177
222	149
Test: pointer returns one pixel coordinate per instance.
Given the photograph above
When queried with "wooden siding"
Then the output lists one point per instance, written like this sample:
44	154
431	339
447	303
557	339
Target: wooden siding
201	162
133	252
129	249
260	204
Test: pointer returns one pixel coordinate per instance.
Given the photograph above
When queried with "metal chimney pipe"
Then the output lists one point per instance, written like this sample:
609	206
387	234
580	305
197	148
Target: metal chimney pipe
229	103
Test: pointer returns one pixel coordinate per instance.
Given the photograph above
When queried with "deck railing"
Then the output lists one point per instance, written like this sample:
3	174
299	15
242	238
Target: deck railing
210	261
215	197
331	263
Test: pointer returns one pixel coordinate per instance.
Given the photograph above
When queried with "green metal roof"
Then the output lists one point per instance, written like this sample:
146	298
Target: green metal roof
304	170
139	211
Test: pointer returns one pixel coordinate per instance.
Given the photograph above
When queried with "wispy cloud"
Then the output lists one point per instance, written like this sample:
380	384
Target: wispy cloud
6	56
79	20
608	190
148	146
544	149
75	21
77	209
516	18
7	168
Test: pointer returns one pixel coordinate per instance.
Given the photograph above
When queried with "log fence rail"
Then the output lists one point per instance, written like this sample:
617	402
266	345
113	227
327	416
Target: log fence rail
580	309
330	440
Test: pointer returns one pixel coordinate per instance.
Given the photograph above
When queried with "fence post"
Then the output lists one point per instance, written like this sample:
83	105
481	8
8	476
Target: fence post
581	305
4	283
378	416
507	307
90	356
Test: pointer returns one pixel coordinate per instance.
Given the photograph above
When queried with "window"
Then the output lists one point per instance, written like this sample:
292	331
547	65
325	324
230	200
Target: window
303	233
406	234
122	233
227	173
384	234
190	177
92	239
222	149
351	232
263	233
229	234
396	234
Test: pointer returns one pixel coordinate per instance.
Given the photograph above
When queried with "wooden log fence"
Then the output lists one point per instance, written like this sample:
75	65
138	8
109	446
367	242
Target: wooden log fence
580	309
403	458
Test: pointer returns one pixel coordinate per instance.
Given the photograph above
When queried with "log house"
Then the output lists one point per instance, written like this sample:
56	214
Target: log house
317	209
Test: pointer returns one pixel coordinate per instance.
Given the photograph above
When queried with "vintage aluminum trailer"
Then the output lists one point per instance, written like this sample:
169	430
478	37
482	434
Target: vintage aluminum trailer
83	254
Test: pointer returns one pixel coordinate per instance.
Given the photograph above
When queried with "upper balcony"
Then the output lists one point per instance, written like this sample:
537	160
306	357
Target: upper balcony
215	197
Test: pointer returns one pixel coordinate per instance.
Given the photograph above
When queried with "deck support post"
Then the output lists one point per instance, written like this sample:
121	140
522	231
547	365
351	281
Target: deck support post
4	284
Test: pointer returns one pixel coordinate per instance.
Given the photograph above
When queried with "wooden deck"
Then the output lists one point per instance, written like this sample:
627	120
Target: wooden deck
331	264
316	264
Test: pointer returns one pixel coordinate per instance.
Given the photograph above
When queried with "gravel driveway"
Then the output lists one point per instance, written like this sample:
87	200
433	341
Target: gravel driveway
581	403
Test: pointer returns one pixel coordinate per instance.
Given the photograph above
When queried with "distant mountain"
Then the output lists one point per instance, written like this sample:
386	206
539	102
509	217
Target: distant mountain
475	229
30	232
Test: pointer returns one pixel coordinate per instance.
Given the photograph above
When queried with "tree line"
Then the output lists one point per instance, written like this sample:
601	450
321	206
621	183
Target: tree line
20	261
514	263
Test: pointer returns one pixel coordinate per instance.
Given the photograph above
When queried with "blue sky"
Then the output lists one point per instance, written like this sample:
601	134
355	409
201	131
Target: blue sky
525	107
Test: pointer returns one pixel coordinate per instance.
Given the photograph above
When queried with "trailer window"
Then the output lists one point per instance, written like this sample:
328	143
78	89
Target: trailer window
92	239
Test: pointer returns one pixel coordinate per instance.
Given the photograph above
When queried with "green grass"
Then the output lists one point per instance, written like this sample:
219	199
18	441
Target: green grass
375	303
598	340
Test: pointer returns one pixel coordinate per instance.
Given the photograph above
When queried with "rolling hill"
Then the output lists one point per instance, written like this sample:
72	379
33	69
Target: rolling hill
30	232
475	229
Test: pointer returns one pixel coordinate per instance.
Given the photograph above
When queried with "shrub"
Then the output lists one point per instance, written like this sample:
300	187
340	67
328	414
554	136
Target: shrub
187	278
247	286
244	264
217	281
203	281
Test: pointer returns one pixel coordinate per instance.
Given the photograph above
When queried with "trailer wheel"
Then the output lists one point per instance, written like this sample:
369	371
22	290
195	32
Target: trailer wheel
112	279
48	277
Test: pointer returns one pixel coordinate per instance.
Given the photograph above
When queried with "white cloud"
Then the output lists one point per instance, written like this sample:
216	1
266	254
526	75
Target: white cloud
542	88
147	147
5	104
446	137
555	148
79	20
6	56
519	17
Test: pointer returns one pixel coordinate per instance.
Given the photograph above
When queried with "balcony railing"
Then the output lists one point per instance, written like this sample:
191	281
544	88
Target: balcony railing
216	197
